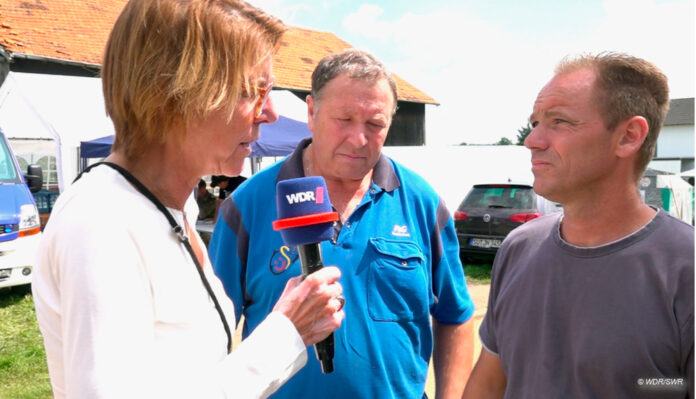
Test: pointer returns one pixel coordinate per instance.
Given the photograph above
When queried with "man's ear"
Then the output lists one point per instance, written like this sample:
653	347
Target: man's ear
310	112
633	132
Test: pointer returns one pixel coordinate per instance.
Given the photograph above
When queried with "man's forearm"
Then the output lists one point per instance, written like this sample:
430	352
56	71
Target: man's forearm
488	379
452	358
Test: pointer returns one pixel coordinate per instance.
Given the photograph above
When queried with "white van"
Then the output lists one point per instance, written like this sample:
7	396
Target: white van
20	229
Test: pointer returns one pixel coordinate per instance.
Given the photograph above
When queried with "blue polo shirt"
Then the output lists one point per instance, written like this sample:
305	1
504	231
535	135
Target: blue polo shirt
399	258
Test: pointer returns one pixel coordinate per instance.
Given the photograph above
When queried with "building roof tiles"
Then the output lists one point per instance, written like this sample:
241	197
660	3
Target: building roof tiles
77	30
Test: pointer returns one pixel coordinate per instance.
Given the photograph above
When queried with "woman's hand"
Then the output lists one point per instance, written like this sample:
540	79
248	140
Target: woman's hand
314	305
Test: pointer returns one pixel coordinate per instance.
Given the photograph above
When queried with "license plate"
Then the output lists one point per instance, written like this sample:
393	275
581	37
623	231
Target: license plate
5	274
485	242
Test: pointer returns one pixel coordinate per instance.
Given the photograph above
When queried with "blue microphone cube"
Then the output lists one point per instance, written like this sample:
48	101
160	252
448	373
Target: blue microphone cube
305	214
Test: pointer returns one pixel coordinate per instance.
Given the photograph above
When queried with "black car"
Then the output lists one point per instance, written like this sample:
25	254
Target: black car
490	211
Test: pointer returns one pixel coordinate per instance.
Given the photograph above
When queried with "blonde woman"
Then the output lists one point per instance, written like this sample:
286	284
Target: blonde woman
126	299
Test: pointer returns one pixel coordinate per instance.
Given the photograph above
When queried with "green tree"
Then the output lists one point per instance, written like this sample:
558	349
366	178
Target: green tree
522	133
504	141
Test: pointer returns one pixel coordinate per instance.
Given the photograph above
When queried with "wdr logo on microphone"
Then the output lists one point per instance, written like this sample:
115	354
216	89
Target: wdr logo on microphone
316	196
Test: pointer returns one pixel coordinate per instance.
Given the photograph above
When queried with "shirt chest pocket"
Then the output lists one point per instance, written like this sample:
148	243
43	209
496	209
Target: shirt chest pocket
397	288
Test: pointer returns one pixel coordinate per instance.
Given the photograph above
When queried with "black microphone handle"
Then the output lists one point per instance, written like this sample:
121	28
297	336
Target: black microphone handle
310	262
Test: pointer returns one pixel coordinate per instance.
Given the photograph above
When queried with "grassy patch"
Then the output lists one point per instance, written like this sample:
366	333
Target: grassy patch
23	370
480	274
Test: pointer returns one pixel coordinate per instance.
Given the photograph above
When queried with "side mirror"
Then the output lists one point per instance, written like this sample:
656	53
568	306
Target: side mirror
34	178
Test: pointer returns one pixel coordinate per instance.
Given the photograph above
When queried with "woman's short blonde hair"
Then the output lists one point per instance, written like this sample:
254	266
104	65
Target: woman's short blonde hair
171	62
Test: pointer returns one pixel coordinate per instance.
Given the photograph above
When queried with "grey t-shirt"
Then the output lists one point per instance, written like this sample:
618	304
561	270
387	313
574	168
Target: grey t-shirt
614	321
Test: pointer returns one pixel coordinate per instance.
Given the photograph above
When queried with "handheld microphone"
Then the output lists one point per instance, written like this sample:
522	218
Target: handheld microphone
305	218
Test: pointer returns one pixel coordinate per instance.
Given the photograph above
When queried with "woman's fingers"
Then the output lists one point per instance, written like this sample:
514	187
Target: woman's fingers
315	304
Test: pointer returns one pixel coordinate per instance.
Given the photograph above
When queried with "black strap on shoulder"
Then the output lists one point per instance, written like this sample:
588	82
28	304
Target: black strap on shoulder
180	233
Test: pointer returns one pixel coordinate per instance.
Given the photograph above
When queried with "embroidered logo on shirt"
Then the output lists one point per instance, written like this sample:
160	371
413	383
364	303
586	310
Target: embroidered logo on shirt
282	258
400	231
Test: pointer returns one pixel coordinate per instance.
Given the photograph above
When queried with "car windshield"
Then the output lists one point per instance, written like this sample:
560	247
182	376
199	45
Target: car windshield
484	197
8	173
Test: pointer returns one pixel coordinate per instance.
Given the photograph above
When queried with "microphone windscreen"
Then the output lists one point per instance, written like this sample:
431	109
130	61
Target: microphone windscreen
304	202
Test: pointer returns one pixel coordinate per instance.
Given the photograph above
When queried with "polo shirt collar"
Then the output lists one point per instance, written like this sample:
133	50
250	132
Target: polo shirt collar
292	166
383	176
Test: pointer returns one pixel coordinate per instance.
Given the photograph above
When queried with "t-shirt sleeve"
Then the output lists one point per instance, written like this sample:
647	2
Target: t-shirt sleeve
451	303
487	331
228	251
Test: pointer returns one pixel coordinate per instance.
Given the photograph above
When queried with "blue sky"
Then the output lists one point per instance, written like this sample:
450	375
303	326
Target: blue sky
485	61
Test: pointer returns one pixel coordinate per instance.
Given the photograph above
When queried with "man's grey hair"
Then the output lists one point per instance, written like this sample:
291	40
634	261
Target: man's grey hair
358	64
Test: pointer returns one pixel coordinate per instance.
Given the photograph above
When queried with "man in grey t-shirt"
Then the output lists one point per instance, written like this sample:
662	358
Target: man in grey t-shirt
597	302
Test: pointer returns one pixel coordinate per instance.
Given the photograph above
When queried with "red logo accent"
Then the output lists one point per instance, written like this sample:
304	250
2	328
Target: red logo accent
320	195
282	259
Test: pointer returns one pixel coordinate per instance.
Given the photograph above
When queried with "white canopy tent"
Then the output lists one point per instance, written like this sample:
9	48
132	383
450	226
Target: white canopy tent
687	173
65	109
680	199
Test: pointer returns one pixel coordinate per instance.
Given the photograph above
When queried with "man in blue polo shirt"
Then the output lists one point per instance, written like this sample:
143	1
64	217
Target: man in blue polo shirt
395	244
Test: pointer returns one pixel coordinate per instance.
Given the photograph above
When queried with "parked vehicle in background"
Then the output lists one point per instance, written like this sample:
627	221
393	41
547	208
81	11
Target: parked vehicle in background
490	211
20	230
